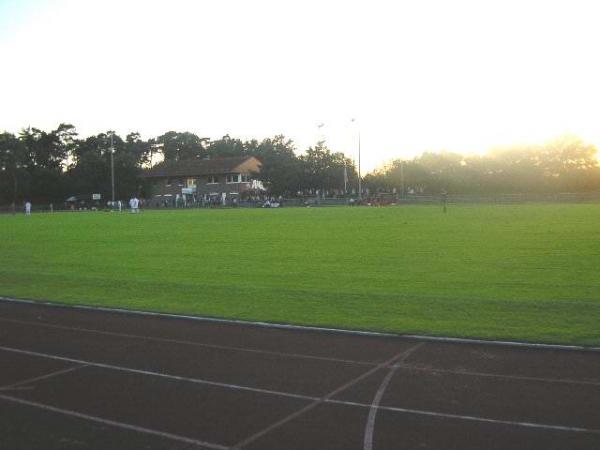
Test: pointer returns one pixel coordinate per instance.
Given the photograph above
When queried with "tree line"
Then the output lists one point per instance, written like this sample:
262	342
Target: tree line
565	164
49	166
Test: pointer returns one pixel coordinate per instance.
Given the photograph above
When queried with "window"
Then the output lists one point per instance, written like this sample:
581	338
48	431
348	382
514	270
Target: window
233	178
191	182
245	178
169	182
212	179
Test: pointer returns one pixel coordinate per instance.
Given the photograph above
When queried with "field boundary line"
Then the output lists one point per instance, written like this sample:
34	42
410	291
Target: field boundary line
189	343
441	339
302	356
310	398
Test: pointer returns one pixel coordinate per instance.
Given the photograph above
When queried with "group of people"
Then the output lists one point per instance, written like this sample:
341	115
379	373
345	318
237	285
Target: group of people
134	204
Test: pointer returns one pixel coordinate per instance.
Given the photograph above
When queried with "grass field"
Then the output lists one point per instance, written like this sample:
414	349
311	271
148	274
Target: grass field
524	272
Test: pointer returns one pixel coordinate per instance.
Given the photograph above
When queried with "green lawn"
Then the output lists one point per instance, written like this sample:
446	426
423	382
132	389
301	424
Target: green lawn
524	272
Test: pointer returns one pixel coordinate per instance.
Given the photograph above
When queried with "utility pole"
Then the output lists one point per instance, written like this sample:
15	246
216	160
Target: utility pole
320	137
359	177
112	166
14	203
402	178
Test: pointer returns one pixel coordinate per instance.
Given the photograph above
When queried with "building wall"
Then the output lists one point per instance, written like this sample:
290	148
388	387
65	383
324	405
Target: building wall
162	191
161	187
203	186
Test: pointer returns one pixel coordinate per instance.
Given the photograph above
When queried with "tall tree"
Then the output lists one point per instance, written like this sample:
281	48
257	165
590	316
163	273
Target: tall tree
324	170
226	147
280	167
139	149
181	146
13	161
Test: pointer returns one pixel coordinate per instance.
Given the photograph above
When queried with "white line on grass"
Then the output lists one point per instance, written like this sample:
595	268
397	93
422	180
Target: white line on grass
442	339
370	426
184	342
113	423
301	396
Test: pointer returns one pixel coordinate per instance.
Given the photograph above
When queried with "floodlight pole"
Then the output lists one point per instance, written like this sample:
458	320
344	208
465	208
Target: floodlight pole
402	178
359	177
112	167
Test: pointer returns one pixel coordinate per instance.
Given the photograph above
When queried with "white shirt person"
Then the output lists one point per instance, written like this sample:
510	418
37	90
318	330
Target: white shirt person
134	204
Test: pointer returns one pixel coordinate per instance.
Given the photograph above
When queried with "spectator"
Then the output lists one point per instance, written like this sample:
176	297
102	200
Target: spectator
134	204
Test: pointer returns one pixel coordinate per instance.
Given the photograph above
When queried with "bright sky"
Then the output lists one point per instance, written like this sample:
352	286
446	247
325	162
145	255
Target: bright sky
418	75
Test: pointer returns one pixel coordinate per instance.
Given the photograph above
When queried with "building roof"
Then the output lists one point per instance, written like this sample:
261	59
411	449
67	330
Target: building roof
198	167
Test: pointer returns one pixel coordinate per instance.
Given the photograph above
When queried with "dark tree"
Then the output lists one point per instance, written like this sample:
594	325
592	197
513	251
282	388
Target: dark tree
180	146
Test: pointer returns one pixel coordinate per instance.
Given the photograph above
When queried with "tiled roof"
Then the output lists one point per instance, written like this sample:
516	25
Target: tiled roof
196	167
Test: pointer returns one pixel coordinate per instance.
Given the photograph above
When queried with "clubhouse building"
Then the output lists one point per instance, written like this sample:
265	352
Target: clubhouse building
222	180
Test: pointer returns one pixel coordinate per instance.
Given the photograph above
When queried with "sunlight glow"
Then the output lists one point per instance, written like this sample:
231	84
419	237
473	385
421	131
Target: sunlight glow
430	75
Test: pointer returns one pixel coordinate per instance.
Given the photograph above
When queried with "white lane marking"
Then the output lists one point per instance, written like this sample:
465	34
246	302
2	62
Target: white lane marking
43	377
442	339
370	426
318	401
159	374
297	355
184	342
486	420
301	396
498	375
113	423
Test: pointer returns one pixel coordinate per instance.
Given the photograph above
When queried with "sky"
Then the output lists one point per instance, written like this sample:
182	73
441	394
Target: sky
427	75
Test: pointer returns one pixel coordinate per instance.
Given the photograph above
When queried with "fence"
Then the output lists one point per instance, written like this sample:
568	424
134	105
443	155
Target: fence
563	197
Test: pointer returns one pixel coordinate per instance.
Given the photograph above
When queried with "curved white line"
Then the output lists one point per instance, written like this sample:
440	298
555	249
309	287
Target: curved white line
370	426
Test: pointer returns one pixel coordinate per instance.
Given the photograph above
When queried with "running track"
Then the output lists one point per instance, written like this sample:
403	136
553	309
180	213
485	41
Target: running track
83	379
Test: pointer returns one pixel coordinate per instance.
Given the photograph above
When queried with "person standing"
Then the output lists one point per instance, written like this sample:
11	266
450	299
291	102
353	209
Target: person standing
27	208
444	199
134	204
